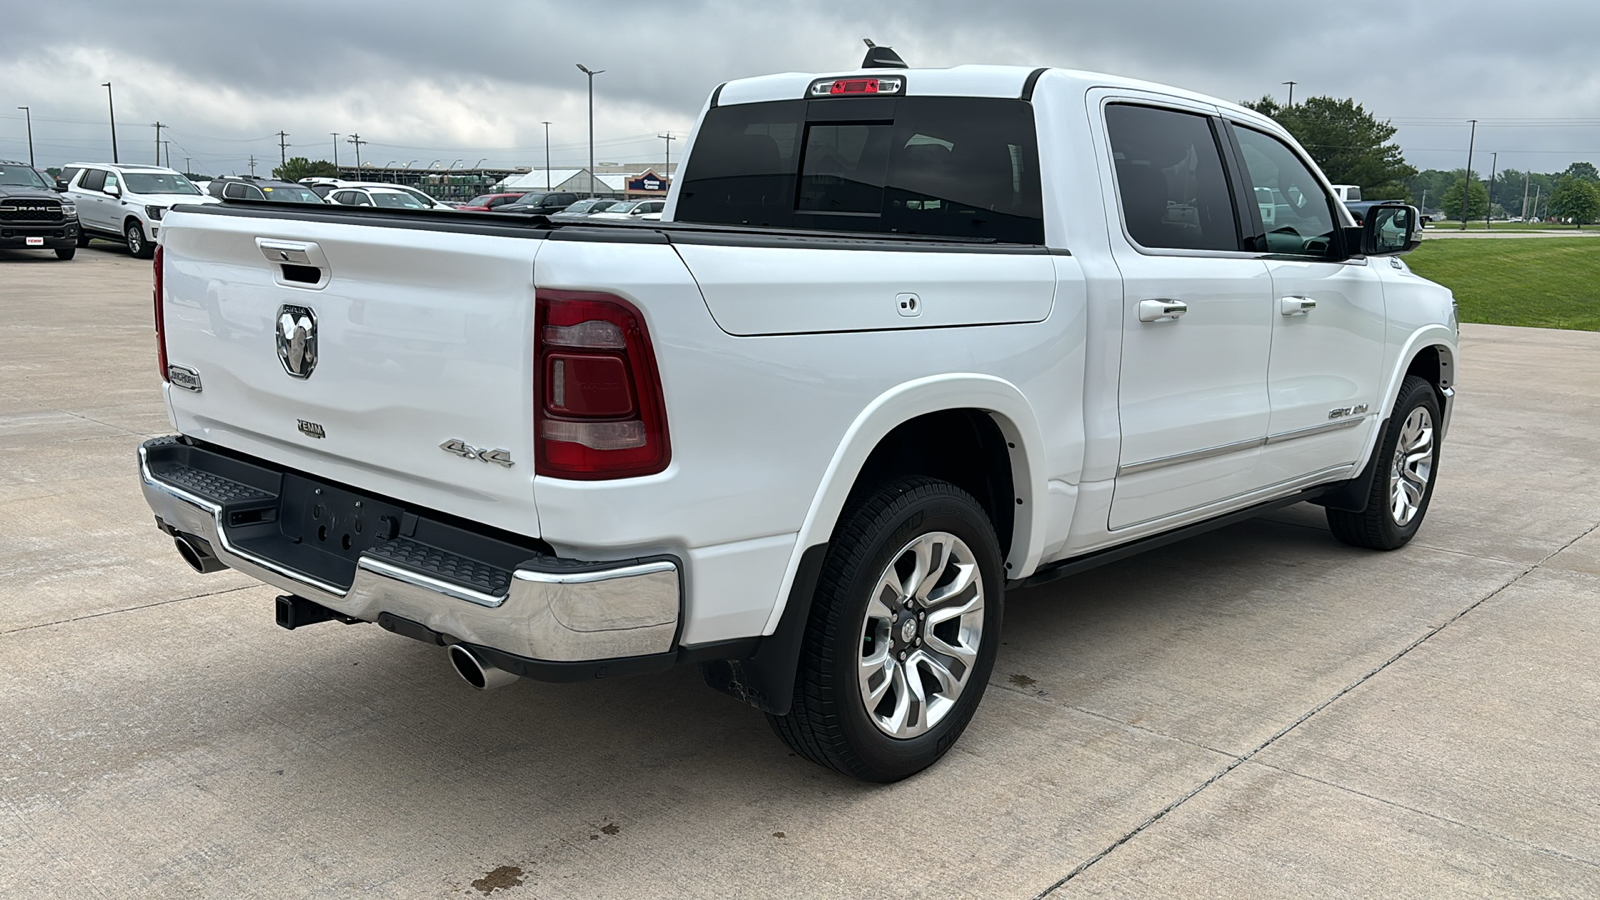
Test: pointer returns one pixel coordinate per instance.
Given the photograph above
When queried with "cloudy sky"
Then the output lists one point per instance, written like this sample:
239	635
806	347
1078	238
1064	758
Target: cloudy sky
453	83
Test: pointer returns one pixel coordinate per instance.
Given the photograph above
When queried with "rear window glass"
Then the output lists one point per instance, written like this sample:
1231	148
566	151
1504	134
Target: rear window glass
941	166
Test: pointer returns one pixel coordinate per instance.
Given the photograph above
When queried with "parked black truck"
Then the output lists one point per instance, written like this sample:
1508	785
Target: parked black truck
32	215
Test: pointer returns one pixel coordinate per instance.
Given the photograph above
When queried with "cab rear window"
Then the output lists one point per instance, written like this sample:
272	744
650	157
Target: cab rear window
941	166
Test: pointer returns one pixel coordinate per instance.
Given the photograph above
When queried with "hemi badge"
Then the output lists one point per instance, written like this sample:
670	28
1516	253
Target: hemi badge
184	377
311	429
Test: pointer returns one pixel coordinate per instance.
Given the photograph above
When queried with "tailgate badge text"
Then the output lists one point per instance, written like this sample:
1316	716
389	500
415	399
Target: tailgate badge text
467	451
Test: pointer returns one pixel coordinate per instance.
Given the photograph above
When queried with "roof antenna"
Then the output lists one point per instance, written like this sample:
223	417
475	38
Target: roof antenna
881	57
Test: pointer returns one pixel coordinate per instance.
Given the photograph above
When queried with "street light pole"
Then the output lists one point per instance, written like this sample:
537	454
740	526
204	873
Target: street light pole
591	73
1526	177
112	108
1466	187
29	113
666	174
547	156
336	172
1493	168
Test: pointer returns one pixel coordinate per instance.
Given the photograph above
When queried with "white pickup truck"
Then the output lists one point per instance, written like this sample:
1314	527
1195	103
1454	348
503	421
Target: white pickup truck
903	340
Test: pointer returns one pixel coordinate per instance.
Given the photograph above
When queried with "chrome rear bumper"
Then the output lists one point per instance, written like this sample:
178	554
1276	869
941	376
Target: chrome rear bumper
554	610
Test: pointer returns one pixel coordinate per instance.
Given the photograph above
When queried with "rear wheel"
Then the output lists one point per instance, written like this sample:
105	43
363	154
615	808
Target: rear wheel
1407	465
138	244
66	252
83	237
903	633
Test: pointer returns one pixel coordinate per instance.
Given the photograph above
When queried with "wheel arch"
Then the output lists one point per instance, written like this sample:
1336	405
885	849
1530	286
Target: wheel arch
883	423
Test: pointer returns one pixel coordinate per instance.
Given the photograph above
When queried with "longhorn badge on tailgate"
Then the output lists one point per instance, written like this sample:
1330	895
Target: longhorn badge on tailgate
297	340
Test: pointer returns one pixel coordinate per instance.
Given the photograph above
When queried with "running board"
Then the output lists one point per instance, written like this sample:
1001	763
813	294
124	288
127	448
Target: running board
1098	558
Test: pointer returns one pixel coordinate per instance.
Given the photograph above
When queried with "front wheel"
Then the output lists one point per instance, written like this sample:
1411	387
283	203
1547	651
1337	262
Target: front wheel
66	252
902	635
1407	465
83	237
138	244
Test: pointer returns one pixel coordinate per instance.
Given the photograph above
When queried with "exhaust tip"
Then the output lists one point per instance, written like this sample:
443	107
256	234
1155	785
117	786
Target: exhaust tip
474	671
197	554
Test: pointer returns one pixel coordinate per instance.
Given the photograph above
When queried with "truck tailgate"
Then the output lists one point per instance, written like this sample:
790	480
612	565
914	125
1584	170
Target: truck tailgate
416	338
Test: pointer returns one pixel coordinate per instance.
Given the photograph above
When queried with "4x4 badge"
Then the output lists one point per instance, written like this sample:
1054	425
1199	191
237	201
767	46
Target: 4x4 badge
466	450
297	340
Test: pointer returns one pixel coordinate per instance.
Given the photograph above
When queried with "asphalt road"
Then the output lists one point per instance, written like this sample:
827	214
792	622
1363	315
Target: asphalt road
1259	712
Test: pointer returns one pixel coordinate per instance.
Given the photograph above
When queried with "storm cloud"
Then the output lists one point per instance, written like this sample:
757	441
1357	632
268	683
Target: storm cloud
475	80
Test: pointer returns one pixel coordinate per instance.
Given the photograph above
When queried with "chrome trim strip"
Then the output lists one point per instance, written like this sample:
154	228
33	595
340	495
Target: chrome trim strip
593	576
1324	428
1191	456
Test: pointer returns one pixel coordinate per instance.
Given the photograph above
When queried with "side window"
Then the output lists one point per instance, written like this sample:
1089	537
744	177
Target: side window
93	180
1295	211
68	174
112	182
233	191
1170	179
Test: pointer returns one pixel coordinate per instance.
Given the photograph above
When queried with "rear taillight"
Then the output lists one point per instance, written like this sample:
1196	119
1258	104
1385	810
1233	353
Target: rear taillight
161	327
598	411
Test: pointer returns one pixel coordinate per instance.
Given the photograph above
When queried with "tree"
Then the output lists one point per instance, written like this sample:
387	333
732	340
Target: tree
298	167
1583	170
1347	142
1577	199
1477	203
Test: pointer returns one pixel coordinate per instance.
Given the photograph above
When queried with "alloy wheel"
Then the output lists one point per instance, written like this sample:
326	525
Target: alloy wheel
1412	467
920	635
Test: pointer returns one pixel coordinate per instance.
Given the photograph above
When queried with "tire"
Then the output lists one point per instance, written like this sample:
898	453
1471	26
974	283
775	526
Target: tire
138	244
1407	465
944	630
66	252
83	237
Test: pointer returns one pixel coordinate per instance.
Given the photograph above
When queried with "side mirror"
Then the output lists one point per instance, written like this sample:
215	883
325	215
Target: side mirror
1389	229
113	190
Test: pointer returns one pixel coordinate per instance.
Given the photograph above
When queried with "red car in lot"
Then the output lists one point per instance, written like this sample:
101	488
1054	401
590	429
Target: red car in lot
486	202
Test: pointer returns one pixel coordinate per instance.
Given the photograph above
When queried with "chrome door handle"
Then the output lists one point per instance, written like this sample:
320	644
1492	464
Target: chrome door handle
1296	306
1161	310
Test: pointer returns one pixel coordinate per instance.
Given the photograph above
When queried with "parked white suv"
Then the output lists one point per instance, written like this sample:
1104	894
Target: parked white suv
127	203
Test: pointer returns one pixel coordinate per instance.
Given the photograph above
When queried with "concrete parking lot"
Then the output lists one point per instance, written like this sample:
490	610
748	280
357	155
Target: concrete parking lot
1259	712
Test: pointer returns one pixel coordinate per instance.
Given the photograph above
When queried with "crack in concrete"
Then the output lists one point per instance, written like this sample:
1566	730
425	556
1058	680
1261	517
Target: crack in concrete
1160	814
113	612
1551	851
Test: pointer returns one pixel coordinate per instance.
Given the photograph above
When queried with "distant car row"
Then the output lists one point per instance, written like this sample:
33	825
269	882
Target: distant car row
125	203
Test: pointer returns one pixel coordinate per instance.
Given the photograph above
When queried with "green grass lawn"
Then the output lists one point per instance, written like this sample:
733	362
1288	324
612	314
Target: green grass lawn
1453	225
1537	282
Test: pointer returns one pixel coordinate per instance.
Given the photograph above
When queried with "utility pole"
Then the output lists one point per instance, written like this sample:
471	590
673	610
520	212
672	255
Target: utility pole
1291	85
187	168
1526	177
252	165
1494	167
29	113
335	153
1466	187
157	126
591	73
1424	206
666	174
357	141
167	145
283	149
1537	190
547	156
112	108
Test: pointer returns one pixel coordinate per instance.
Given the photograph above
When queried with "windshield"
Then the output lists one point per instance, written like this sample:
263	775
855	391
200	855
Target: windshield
291	194
481	200
158	183
20	176
397	200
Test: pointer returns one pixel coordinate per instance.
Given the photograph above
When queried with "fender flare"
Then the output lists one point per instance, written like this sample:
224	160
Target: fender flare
996	396
1427	336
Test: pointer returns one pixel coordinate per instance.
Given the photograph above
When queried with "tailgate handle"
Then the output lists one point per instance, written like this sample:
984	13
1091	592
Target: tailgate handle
292	252
296	263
